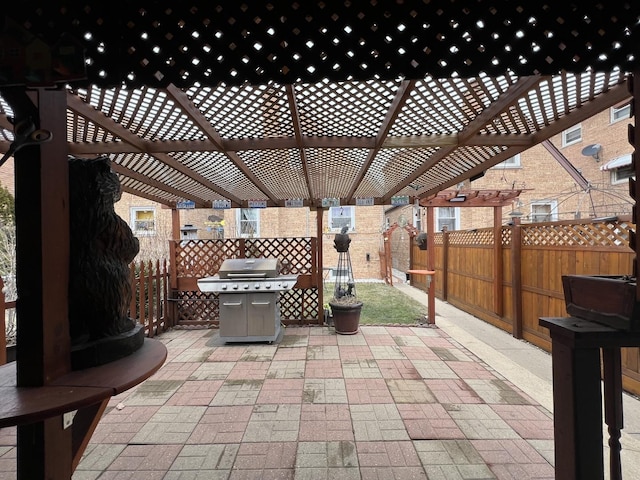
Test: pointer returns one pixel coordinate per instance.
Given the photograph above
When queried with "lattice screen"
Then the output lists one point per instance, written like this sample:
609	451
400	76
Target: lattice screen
202	258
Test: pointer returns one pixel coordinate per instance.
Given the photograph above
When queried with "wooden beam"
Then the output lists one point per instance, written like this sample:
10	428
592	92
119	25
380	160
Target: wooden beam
398	102
99	118
605	100
181	99
297	129
520	88
127	172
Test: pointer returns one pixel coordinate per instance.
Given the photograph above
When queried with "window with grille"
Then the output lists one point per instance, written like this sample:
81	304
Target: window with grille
143	220
343	216
449	217
417	218
248	222
572	135
544	211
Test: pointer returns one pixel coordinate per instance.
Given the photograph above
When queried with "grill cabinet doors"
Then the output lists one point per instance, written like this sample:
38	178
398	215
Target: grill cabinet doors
249	317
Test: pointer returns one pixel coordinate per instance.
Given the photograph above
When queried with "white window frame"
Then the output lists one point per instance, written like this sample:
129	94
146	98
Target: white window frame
440	219
242	217
553	210
620	113
511	162
567	135
134	222
622	174
417	218
346	211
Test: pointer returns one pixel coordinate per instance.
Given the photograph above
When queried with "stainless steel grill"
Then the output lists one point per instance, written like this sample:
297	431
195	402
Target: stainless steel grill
249	291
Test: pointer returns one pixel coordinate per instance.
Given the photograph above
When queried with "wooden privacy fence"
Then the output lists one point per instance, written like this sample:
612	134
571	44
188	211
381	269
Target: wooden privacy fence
196	259
512	275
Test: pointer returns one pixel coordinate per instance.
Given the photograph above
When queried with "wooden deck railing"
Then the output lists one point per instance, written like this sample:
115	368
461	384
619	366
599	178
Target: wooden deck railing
4	306
150	288
150	285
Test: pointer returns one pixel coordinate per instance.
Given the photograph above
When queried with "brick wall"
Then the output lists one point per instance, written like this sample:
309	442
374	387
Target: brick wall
274	222
545	179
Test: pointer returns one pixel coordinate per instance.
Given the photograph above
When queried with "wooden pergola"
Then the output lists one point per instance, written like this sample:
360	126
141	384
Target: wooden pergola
221	103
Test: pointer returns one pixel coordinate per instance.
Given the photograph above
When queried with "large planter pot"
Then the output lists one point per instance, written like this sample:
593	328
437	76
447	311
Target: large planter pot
346	317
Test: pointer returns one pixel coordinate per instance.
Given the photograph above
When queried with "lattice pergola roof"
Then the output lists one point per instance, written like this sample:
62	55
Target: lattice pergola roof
207	101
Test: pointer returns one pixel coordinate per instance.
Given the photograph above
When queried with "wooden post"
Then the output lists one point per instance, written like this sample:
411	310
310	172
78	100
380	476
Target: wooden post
516	277
320	265
445	262
173	264
431	260
498	274
42	258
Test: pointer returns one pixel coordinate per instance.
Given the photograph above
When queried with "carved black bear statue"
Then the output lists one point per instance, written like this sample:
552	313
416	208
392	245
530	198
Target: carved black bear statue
101	248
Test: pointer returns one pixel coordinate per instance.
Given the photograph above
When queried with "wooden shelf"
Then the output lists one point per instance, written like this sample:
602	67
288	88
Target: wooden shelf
23	405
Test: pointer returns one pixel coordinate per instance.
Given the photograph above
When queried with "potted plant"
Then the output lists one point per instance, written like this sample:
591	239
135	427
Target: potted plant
345	306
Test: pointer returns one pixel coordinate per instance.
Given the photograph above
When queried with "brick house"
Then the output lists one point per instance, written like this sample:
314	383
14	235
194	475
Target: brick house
550	193
151	222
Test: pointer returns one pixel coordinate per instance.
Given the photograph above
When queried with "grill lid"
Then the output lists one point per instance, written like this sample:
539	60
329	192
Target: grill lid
249	268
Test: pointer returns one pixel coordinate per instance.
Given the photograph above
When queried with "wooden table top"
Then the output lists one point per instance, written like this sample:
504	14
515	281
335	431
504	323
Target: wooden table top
22	405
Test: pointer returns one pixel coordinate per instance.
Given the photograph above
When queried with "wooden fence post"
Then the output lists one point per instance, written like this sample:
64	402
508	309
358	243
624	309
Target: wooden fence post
516	276
148	300
445	261
158	297
133	311
141	311
498	270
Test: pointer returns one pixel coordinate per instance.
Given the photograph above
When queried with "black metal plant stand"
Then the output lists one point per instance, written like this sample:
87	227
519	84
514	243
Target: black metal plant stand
345	286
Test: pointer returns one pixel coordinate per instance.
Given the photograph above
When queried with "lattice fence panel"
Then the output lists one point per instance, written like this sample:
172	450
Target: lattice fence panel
599	234
300	304
202	258
438	239
506	237
482	236
295	254
198	308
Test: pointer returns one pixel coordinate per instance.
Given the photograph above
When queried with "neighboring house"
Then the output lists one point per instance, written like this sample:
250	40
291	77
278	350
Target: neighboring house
549	192
151	223
598	148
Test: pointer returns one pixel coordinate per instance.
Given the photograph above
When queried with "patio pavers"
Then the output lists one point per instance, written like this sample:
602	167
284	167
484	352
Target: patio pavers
388	403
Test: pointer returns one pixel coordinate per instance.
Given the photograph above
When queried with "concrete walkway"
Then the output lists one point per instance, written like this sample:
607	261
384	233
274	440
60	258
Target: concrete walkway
526	366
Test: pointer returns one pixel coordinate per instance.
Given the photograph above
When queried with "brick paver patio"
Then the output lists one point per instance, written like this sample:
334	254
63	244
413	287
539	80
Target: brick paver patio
387	403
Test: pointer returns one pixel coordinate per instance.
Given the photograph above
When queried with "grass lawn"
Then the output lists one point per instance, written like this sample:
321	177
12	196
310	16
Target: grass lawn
383	303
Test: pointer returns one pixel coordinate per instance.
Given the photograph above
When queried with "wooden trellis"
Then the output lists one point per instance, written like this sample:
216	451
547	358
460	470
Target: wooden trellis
202	258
